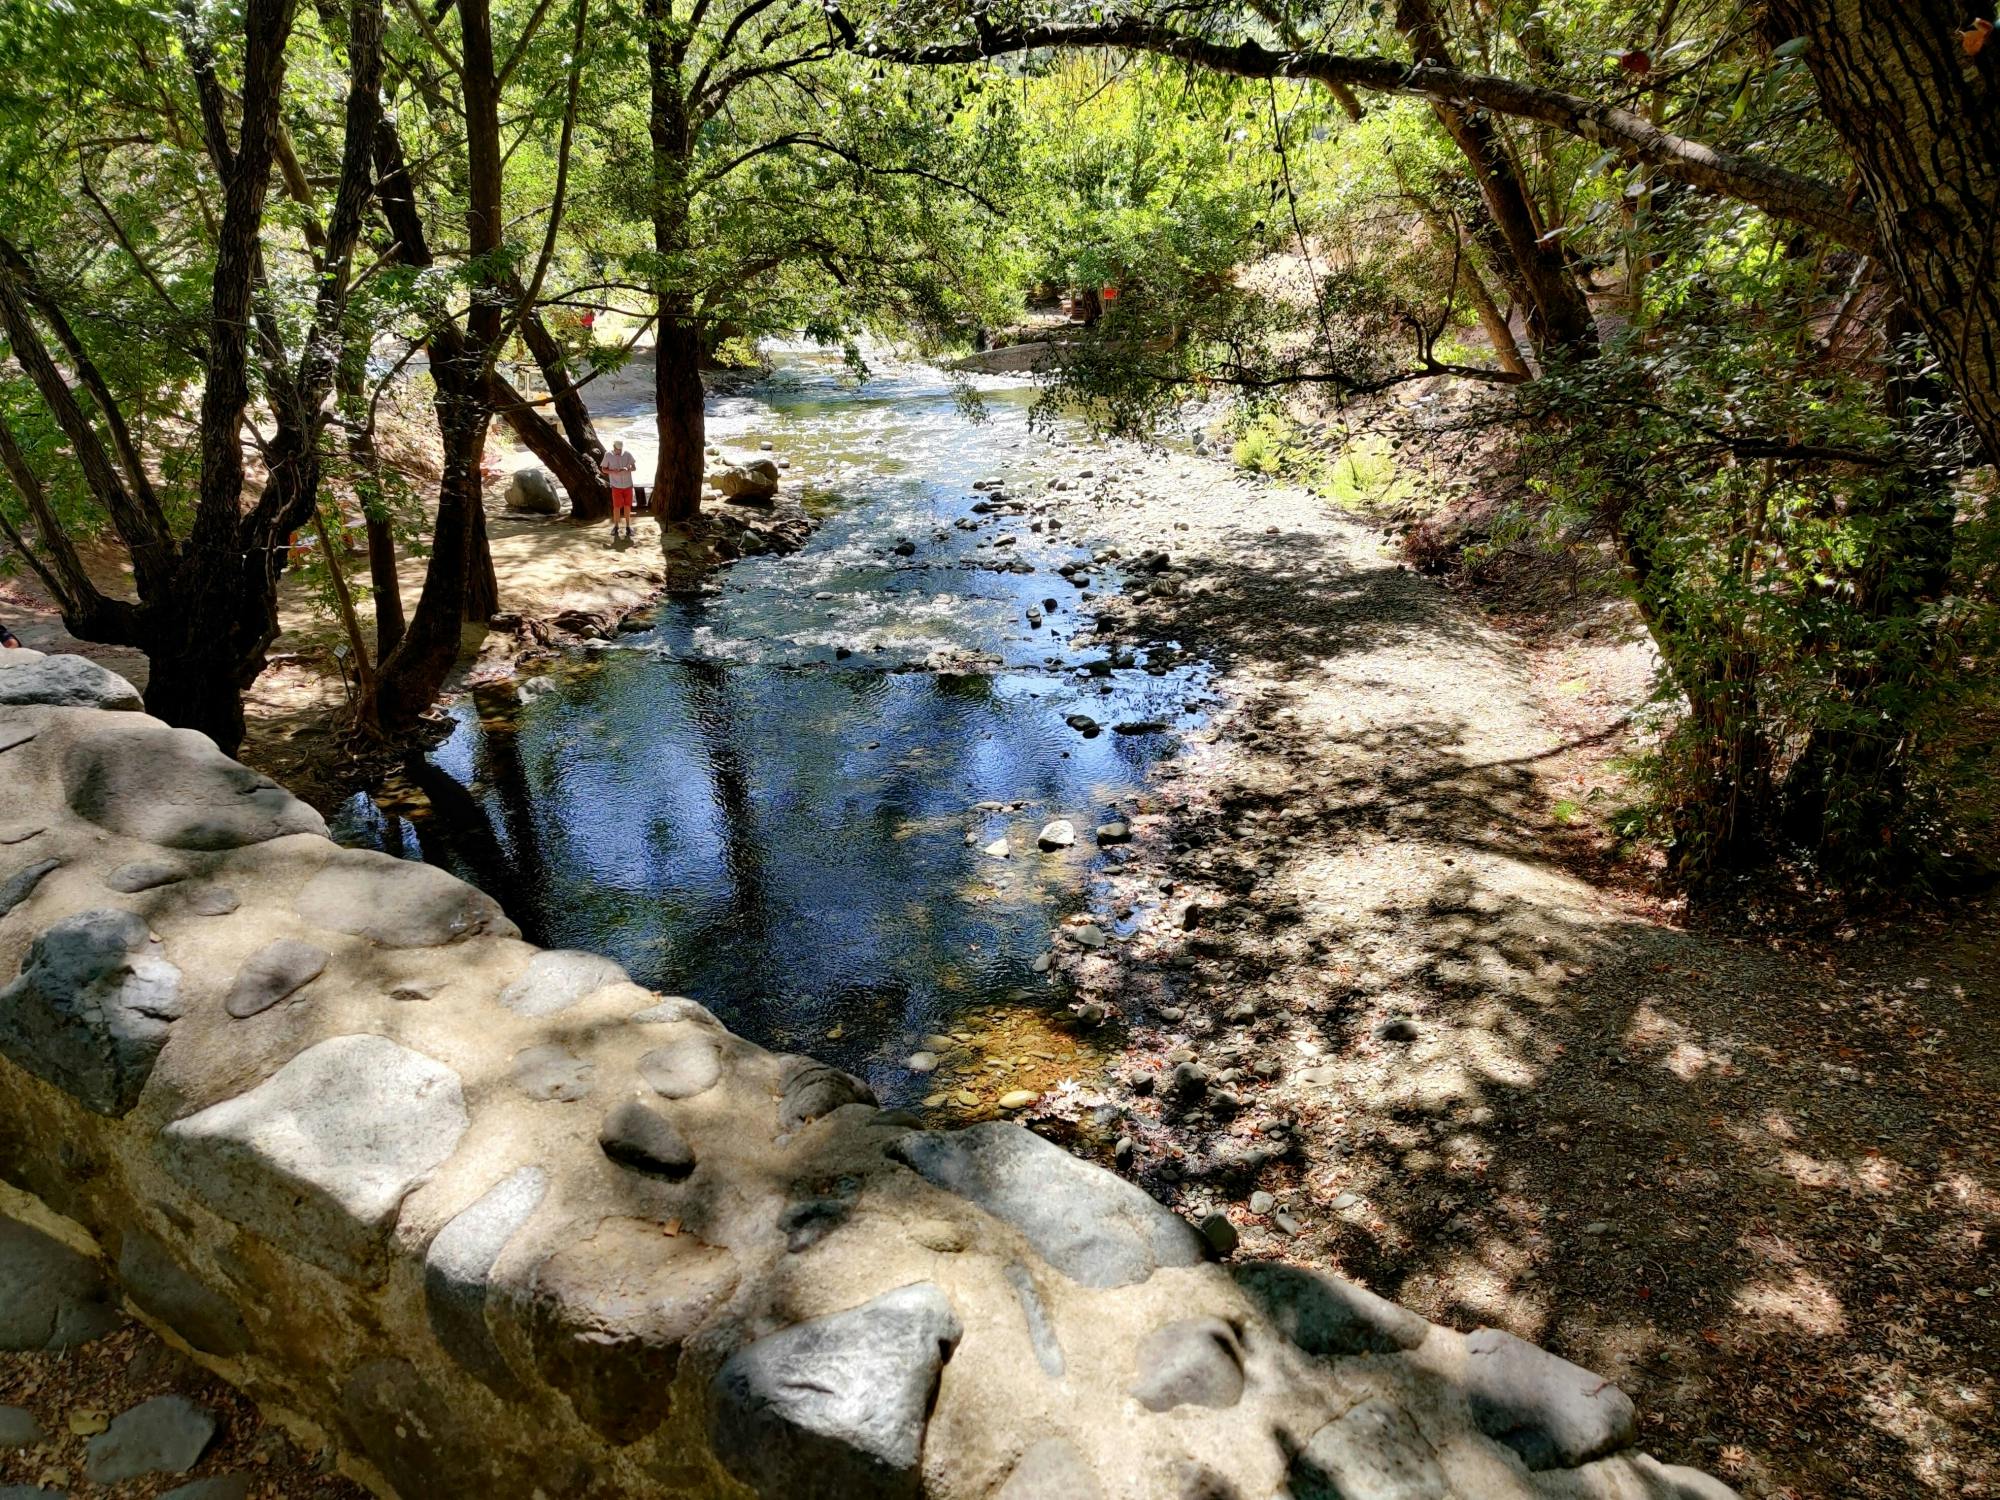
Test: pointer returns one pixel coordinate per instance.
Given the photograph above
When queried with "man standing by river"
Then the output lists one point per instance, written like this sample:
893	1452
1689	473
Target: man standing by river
618	466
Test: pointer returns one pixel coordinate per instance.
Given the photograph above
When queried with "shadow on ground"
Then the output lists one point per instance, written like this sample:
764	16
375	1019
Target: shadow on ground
1756	1187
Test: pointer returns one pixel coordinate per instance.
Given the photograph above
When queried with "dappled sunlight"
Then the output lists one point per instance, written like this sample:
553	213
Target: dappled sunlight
1802	1299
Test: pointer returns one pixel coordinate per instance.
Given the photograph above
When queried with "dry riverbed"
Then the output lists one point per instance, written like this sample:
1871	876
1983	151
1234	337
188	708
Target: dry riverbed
1387	1007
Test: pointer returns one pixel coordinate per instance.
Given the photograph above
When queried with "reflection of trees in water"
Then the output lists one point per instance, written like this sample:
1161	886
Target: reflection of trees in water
497	762
708	700
460	829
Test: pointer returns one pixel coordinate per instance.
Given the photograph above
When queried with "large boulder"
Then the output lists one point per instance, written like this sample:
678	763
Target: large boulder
754	483
531	493
63	682
398	904
1097	1229
173	787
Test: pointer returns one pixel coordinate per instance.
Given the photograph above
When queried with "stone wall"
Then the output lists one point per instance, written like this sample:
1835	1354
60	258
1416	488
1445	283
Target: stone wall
499	1222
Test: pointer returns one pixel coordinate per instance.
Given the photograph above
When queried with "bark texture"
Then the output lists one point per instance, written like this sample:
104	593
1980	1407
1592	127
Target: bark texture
1921	119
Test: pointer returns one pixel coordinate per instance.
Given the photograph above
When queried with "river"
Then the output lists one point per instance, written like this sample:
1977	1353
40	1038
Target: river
779	798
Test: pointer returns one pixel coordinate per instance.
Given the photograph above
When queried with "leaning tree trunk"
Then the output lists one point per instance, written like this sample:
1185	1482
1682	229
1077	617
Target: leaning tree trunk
1559	317
575	470
589	495
1921	119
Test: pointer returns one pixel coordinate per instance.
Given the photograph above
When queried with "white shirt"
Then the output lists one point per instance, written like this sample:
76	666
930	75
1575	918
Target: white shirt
618	468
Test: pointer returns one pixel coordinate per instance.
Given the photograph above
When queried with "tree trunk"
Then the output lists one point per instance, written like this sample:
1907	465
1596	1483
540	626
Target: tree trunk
682	422
460	364
385	587
482	585
364	669
1922	122
1498	334
564	396
1559	317
409	680
677	394
197	683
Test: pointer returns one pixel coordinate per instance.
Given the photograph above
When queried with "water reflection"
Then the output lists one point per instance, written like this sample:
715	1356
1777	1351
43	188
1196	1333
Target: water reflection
766	803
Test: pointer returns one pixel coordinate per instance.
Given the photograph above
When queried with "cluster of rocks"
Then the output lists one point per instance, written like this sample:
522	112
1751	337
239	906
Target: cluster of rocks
500	1221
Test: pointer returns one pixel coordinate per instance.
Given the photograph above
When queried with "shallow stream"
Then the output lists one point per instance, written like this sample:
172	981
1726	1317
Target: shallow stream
779	798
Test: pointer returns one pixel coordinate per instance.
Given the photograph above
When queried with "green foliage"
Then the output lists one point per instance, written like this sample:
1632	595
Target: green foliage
1814	565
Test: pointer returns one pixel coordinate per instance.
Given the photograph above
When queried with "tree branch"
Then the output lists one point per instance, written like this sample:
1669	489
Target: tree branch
1782	194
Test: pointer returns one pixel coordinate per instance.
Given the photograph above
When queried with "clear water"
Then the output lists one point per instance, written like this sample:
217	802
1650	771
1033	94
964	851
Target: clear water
738	811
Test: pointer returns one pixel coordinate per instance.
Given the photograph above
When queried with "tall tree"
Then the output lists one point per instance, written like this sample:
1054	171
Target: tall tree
789	188
206	610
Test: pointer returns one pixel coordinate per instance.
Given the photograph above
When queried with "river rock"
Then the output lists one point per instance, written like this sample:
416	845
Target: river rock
1373	1449
812	1090
1051	1470
66	681
685	1067
143	875
1097	1229
1059	834
754	483
1192	1362
1118	831
1551	1412
50	1296
19	1429
173	788
608	1318
837	1406
215	1487
998	849
274	972
458	1272
92	1008
398	903
166	1435
676	1008
165	1288
551	1072
558	978
530	492
20	885
644	1140
320	1156
1220	1234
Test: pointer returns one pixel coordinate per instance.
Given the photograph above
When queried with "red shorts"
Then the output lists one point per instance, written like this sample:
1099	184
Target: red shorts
621	500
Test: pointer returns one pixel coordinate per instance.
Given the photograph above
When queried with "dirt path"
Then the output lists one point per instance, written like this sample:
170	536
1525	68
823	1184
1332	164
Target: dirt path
1381	1018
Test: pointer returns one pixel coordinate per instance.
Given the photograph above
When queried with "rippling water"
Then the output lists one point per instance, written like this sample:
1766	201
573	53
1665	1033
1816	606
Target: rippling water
769	801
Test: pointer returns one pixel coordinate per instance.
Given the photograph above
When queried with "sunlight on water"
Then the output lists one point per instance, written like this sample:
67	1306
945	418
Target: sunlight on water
769	803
